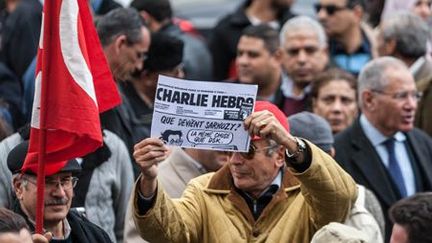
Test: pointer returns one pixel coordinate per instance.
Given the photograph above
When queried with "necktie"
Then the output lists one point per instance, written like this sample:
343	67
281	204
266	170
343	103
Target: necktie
394	168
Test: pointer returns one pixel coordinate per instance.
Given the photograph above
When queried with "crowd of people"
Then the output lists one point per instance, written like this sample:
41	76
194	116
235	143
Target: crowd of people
341	132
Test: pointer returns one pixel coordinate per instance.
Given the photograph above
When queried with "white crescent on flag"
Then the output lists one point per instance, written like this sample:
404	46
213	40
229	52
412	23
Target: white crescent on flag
71	50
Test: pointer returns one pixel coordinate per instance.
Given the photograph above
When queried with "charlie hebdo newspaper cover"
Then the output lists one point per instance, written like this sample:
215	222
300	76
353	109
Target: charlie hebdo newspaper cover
202	115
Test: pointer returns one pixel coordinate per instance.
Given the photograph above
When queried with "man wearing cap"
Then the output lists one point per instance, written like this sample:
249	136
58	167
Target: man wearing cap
282	190
64	224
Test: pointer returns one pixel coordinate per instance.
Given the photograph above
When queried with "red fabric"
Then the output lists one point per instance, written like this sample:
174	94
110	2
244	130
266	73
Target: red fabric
261	105
67	112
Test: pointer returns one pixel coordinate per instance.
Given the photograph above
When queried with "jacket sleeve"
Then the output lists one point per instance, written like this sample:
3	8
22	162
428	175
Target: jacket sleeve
328	190
171	220
123	184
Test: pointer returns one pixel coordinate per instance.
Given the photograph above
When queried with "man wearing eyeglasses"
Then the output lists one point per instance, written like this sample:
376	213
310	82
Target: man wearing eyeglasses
351	42
382	150
404	35
282	190
65	225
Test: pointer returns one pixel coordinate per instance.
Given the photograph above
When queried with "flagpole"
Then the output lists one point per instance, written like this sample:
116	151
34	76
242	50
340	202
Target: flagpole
40	205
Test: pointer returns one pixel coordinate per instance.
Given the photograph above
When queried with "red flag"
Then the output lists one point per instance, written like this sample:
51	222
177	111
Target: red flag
73	84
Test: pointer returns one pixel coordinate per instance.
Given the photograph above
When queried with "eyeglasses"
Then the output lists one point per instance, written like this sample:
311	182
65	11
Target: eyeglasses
330	9
253	150
402	95
419	3
50	183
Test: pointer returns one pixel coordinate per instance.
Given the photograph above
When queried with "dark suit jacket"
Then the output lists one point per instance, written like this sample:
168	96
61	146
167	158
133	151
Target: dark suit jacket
356	154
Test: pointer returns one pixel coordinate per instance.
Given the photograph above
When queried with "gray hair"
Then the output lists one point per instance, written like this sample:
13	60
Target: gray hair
120	21
409	31
373	76
301	23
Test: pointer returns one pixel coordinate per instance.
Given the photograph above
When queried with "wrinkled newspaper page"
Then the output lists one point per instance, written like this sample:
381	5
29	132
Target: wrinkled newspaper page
202	115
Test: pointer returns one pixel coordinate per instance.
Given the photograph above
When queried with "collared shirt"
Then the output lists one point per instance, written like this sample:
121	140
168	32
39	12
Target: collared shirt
377	139
66	229
257	205
287	88
293	103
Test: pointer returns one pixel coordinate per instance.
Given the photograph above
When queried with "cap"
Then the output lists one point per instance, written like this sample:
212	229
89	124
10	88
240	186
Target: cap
337	232
165	52
262	105
313	128
17	155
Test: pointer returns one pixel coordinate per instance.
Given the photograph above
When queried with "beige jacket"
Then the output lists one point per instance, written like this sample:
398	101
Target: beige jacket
174	174
210	210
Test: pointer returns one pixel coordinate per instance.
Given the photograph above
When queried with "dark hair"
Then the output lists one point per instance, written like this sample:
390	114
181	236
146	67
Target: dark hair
266	33
165	53
165	135
158	9
11	222
120	21
353	3
414	213
330	75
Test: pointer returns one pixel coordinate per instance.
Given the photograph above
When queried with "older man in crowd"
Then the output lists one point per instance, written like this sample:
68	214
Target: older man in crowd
304	47
405	36
382	150
283	189
65	225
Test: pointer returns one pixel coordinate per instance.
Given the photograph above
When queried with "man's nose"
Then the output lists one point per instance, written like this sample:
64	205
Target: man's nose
336	106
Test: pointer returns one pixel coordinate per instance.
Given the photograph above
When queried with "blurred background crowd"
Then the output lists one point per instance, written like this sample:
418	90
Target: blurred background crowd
305	56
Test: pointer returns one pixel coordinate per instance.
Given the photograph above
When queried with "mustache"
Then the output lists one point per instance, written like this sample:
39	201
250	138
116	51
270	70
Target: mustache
55	202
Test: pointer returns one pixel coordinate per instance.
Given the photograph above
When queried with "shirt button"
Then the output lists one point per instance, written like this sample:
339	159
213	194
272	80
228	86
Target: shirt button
255	233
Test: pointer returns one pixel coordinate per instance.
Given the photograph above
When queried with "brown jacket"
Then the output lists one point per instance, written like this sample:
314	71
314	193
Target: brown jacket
423	78
210	210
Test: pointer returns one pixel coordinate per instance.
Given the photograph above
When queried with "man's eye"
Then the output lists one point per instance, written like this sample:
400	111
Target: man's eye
293	52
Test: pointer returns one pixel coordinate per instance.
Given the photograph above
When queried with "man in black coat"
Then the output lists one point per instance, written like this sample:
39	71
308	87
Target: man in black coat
382	150
65	224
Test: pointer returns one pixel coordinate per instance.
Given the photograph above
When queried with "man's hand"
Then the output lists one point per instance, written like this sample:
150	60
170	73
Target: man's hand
38	238
148	154
265	125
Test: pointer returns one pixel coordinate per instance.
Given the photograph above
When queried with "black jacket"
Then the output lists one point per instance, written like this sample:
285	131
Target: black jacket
82	230
356	154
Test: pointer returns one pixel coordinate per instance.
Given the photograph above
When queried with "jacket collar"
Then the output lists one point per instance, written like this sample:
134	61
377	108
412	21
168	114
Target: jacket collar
222	181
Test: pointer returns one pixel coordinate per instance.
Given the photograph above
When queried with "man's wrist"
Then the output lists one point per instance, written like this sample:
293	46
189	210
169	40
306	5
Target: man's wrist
147	187
296	156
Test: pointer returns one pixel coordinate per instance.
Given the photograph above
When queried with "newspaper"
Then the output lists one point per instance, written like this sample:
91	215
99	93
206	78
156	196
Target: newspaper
202	115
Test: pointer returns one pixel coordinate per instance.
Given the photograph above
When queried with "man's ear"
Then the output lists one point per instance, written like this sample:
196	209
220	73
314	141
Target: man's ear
280	156
390	46
358	12
119	42
17	184
278	55
368	100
